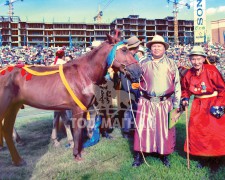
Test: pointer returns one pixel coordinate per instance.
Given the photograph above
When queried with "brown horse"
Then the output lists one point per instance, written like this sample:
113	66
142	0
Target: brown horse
48	92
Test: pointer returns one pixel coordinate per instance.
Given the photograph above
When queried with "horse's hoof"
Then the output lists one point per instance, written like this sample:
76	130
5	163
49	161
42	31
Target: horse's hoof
78	158
20	163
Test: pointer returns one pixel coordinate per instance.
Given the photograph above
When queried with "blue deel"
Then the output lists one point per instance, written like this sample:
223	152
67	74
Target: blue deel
96	133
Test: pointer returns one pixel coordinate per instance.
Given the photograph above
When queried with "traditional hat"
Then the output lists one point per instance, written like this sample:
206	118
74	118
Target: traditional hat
157	39
133	42
95	44
60	53
141	49
198	50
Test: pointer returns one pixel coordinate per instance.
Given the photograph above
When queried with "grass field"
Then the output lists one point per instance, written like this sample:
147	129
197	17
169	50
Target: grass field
109	159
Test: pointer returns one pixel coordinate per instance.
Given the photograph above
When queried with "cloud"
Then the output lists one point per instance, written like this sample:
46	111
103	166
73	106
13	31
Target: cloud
212	11
221	9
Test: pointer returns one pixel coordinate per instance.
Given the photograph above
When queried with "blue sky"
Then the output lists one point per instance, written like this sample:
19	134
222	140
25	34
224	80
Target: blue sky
85	10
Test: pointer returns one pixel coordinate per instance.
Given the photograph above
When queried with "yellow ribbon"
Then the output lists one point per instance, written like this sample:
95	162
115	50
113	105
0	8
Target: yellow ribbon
36	73
66	84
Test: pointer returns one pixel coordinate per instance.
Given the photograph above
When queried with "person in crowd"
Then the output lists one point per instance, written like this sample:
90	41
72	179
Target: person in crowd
133	44
141	54
65	115
207	123
60	58
104	100
160	93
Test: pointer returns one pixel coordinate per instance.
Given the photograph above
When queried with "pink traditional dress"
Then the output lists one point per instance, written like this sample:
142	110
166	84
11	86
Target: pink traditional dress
161	79
206	132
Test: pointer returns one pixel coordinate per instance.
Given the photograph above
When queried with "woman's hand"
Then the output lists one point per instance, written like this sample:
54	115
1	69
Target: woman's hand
185	103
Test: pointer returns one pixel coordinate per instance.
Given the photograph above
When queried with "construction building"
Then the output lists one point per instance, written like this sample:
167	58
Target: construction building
218	31
15	32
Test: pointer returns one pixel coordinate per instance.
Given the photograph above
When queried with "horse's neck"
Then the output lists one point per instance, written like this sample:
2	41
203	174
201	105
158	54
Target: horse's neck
96	65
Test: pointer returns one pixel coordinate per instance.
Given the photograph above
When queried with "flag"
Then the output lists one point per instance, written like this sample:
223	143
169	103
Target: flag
204	38
90	41
0	39
24	40
71	42
224	36
47	41
166	38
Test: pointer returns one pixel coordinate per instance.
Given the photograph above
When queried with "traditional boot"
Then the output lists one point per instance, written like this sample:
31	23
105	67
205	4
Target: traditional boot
202	162
138	159
165	160
106	135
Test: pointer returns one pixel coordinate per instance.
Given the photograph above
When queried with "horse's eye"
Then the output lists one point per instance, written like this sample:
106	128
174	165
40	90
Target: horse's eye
124	49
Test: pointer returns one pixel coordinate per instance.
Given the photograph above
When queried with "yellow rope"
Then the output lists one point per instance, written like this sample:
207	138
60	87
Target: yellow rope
36	73
66	84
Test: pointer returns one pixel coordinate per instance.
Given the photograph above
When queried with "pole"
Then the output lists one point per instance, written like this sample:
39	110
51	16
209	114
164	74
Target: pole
47	41
0	38
187	136
175	11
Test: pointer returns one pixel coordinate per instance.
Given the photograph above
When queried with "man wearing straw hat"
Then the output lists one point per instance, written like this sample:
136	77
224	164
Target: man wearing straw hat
206	127
160	93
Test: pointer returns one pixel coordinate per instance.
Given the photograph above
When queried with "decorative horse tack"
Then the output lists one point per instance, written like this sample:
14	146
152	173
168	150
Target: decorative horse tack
48	92
63	78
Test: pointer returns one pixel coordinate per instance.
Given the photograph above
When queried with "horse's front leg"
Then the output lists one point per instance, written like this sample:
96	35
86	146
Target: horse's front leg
77	126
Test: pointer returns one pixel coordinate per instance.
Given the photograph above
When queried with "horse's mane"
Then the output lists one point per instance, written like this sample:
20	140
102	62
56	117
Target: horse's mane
86	55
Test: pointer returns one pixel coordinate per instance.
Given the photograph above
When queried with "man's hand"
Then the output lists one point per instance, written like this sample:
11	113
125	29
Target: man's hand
185	103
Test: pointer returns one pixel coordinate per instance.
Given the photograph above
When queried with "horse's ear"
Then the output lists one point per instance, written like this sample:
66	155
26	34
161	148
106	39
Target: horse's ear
117	33
110	39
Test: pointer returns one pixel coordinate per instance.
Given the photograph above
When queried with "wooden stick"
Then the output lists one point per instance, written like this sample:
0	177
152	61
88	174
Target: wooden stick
187	136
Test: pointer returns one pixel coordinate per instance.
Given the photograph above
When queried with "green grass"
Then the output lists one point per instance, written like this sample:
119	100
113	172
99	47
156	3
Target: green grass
109	159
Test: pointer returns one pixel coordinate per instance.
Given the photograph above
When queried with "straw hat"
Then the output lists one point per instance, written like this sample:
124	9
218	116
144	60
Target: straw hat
95	44
198	50
157	39
141	49
133	42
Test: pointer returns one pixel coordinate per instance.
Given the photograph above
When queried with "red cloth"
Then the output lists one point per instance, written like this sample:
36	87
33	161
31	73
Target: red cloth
206	133
55	61
59	54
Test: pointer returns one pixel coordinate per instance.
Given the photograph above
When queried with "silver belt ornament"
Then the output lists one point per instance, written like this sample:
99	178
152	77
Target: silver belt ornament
157	99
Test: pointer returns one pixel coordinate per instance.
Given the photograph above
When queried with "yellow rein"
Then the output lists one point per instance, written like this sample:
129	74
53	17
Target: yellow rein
64	81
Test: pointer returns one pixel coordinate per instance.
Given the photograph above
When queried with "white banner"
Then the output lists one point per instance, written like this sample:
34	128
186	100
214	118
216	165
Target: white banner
199	21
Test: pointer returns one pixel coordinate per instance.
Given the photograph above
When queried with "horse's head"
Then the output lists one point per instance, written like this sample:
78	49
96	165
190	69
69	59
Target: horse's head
120	58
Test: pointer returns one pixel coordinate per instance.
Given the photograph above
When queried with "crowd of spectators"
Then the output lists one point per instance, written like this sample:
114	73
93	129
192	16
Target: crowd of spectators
34	55
38	55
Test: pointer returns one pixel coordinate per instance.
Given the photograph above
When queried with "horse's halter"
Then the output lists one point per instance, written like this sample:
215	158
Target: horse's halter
124	66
